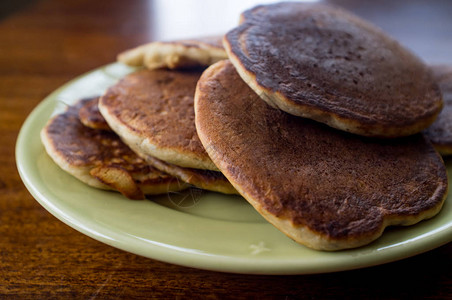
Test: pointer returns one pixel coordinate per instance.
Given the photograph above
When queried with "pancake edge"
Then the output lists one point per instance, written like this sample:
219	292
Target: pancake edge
443	74
191	176
443	149
81	173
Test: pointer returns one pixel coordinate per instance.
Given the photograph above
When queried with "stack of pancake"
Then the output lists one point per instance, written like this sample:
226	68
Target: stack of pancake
150	111
313	115
79	141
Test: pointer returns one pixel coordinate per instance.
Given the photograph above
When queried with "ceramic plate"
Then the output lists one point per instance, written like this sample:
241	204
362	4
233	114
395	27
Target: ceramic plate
194	228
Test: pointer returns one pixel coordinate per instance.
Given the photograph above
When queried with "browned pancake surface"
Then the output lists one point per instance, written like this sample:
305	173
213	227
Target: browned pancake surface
90	115
91	154
82	146
326	64
440	132
154	110
324	188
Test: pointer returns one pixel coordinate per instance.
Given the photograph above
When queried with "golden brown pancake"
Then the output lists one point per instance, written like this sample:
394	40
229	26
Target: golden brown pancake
440	132
90	115
323	63
152	112
175	54
324	188
100	159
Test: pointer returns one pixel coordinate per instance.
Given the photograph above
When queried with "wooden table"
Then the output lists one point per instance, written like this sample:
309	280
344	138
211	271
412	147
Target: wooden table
43	44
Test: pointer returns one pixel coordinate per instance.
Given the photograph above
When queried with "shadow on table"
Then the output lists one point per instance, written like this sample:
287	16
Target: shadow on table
9	7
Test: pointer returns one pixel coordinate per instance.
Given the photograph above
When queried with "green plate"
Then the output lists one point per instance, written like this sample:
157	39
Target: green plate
194	228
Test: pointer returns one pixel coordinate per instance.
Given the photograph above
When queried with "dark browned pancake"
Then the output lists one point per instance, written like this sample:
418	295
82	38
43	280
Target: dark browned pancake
90	115
100	159
175	54
323	63
440	132
152	112
324	188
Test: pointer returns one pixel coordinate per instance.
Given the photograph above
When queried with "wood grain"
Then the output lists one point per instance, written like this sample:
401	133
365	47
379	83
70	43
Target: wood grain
46	43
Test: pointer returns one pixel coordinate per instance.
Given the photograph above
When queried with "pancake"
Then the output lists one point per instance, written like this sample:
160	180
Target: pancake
152	112
90	115
99	158
323	63
203	179
440	132
324	188
175	54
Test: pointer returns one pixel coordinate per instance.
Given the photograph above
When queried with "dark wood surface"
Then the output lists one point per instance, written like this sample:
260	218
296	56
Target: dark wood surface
43	44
